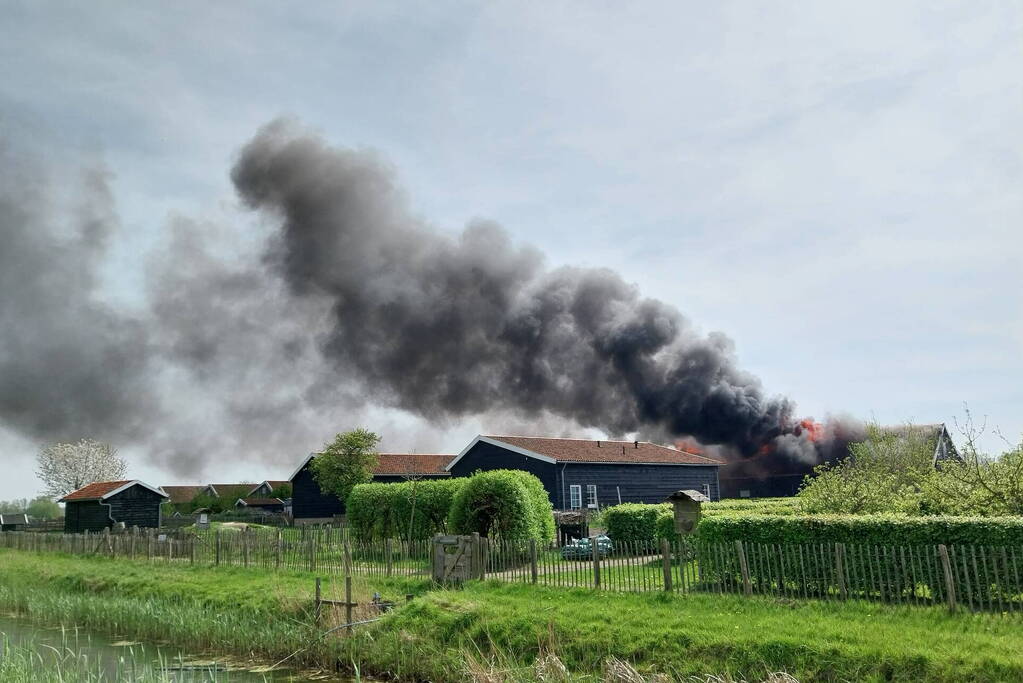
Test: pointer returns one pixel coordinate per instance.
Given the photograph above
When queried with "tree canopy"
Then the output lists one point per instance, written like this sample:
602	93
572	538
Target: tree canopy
345	462
67	467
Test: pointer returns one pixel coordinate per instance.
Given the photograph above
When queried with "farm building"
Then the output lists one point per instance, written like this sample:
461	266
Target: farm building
310	504
181	495
588	473
773	475
16	522
102	504
265	489
261	504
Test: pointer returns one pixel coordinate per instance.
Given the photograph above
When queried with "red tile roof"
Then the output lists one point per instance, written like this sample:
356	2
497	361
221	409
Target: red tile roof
592	450
262	501
183	494
233	491
411	463
96	490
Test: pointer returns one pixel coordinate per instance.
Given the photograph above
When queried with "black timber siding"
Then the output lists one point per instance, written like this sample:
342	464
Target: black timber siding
637	483
485	456
309	502
85	515
135	506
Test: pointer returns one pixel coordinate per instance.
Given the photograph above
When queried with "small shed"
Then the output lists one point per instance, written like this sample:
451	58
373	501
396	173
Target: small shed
261	504
13	522
102	504
686	505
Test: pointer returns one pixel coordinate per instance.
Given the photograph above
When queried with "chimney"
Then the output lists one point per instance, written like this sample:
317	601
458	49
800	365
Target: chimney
635	444
598	444
623	450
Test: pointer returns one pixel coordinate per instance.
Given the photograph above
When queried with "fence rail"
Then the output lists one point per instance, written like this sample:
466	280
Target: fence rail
977	578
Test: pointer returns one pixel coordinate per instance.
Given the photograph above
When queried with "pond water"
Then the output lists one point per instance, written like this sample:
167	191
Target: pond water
64	651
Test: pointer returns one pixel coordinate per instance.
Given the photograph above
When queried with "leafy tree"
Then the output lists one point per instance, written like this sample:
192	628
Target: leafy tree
507	504
978	484
13	506
43	508
346	461
884	474
67	467
214	504
283	492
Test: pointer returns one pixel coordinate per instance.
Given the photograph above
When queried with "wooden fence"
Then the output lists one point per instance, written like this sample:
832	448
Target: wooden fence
977	578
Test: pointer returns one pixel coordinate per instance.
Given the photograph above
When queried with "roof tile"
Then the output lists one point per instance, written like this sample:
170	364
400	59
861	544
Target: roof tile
592	450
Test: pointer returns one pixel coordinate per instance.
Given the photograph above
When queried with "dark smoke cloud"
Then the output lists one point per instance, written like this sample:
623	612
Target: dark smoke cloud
69	364
353	300
456	324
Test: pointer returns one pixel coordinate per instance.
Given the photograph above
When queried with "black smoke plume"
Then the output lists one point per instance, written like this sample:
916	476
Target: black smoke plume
352	300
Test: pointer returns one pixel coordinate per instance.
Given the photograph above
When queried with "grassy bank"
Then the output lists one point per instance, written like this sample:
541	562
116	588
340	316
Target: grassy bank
503	628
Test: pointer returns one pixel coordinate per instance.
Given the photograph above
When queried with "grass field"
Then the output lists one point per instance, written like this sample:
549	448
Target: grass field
505	627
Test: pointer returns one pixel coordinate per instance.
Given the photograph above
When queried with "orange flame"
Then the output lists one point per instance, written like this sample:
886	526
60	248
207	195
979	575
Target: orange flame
689	446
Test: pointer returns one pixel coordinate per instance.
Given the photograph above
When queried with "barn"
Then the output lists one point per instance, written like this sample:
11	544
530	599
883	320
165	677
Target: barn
771	474
593	473
311	505
102	504
254	504
16	522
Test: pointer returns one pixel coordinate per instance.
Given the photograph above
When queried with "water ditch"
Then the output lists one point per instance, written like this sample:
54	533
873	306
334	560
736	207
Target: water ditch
30	651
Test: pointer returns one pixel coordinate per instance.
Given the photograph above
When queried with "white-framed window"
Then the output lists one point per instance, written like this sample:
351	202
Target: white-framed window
575	496
591	495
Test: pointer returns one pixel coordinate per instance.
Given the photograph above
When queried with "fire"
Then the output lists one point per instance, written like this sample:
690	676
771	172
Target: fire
814	431
689	447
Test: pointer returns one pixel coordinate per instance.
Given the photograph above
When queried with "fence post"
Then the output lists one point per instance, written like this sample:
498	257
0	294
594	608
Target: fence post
840	569
318	600
950	586
280	548
747	587
348	599
216	547
666	563
245	546
312	552
390	559
349	564
533	573
596	562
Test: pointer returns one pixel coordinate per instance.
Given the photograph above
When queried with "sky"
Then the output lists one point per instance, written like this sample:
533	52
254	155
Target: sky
838	187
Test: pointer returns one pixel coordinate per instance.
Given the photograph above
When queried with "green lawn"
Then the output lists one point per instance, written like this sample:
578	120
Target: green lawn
264	614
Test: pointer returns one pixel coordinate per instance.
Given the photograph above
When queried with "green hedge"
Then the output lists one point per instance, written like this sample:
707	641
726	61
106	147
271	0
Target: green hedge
411	510
864	529
509	505
888	558
754	506
629	522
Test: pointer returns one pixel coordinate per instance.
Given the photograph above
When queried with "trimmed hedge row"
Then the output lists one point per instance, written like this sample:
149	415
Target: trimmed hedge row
864	529
412	510
754	506
643	522
510	505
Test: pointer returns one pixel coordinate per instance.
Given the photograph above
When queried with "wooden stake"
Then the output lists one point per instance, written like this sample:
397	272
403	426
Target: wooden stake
348	599
533	571
840	569
747	587
666	563
950	586
596	563
319	600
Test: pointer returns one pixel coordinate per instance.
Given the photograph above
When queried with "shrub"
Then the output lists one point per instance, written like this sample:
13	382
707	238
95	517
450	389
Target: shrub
509	505
754	506
628	522
413	510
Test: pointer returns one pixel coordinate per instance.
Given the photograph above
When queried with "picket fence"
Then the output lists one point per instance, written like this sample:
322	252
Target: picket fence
977	578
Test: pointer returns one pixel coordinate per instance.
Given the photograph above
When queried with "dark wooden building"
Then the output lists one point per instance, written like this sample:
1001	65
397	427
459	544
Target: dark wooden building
311	505
16	522
588	473
261	504
774	475
102	504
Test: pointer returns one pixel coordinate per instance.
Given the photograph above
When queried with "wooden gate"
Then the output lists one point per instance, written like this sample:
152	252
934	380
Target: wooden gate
457	558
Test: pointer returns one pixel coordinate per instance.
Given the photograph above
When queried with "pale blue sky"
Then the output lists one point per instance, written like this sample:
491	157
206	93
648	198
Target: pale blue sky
837	186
